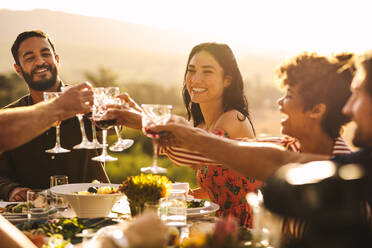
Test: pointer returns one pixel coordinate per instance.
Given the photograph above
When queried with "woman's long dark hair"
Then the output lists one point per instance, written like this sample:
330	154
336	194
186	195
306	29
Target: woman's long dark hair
233	95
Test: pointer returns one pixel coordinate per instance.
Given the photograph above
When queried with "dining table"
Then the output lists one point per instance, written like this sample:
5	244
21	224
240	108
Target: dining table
203	219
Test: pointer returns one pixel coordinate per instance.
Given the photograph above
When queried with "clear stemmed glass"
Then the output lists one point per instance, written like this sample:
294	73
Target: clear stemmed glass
121	144
98	91
57	148
99	109
95	142
155	114
85	143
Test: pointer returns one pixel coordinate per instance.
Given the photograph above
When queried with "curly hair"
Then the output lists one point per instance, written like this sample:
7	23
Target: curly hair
233	96
365	61
322	80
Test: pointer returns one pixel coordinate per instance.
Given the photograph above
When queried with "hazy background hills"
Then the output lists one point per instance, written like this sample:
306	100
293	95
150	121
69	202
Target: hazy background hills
137	53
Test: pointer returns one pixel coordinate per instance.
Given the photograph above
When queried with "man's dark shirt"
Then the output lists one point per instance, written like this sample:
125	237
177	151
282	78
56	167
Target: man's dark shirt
30	166
364	158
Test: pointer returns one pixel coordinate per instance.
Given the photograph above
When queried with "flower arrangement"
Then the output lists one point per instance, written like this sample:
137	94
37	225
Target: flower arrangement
226	234
144	188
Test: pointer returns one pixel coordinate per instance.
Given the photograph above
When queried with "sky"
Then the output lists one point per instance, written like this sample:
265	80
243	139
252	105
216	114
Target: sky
269	26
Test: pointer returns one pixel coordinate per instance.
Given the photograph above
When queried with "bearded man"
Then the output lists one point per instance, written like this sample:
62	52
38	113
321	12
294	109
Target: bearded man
29	166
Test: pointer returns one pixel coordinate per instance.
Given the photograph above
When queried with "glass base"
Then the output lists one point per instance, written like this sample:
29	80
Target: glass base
154	170
96	144
104	158
85	145
121	146
57	149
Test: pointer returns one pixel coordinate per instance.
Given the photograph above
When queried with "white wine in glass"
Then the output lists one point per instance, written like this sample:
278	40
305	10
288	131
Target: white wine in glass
57	148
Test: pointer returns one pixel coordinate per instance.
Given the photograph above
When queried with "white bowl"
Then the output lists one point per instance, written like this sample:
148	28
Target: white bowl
184	186
88	206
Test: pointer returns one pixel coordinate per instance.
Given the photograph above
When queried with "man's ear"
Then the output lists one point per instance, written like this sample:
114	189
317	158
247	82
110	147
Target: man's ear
18	69
318	110
227	81
57	58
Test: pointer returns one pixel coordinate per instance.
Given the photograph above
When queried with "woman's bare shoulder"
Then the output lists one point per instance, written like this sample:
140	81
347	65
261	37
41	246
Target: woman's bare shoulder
235	124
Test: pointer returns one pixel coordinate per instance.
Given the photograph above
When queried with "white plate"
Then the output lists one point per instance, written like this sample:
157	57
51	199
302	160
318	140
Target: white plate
206	205
3	204
209	207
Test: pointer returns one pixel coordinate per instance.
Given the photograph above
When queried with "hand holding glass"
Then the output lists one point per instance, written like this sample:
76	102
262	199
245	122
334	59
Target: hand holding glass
155	114
85	143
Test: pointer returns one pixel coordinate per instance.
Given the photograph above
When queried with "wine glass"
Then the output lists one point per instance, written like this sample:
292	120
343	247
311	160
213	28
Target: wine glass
57	148
98	91
85	143
94	141
99	109
121	144
58	201
155	114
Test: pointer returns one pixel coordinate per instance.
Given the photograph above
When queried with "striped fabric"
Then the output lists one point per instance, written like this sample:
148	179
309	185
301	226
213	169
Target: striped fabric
183	157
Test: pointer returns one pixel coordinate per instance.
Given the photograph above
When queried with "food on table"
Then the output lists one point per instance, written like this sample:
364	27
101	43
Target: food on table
99	190
195	204
15	208
64	229
40	201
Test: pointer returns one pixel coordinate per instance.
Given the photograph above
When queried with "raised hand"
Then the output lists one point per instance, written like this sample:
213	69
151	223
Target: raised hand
181	133
129	113
18	194
77	99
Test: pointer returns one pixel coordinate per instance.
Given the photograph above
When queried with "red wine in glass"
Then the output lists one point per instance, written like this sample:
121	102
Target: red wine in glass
105	124
155	135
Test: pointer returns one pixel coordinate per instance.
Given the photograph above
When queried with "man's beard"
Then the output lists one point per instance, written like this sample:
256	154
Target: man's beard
43	84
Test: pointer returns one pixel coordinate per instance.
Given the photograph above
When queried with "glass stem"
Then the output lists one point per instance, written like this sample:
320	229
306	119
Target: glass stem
104	171
104	136
94	132
155	154
58	142
82	128
118	133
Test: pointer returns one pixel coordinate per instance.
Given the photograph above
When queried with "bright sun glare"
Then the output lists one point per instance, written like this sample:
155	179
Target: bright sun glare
268	25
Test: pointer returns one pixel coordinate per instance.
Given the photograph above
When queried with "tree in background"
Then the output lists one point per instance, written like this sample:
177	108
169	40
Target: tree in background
12	87
104	78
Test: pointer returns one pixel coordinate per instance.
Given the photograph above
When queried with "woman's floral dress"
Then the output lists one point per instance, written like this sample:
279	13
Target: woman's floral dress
228	189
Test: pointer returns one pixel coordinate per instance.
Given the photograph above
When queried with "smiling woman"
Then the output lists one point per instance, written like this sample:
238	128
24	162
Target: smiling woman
214	99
